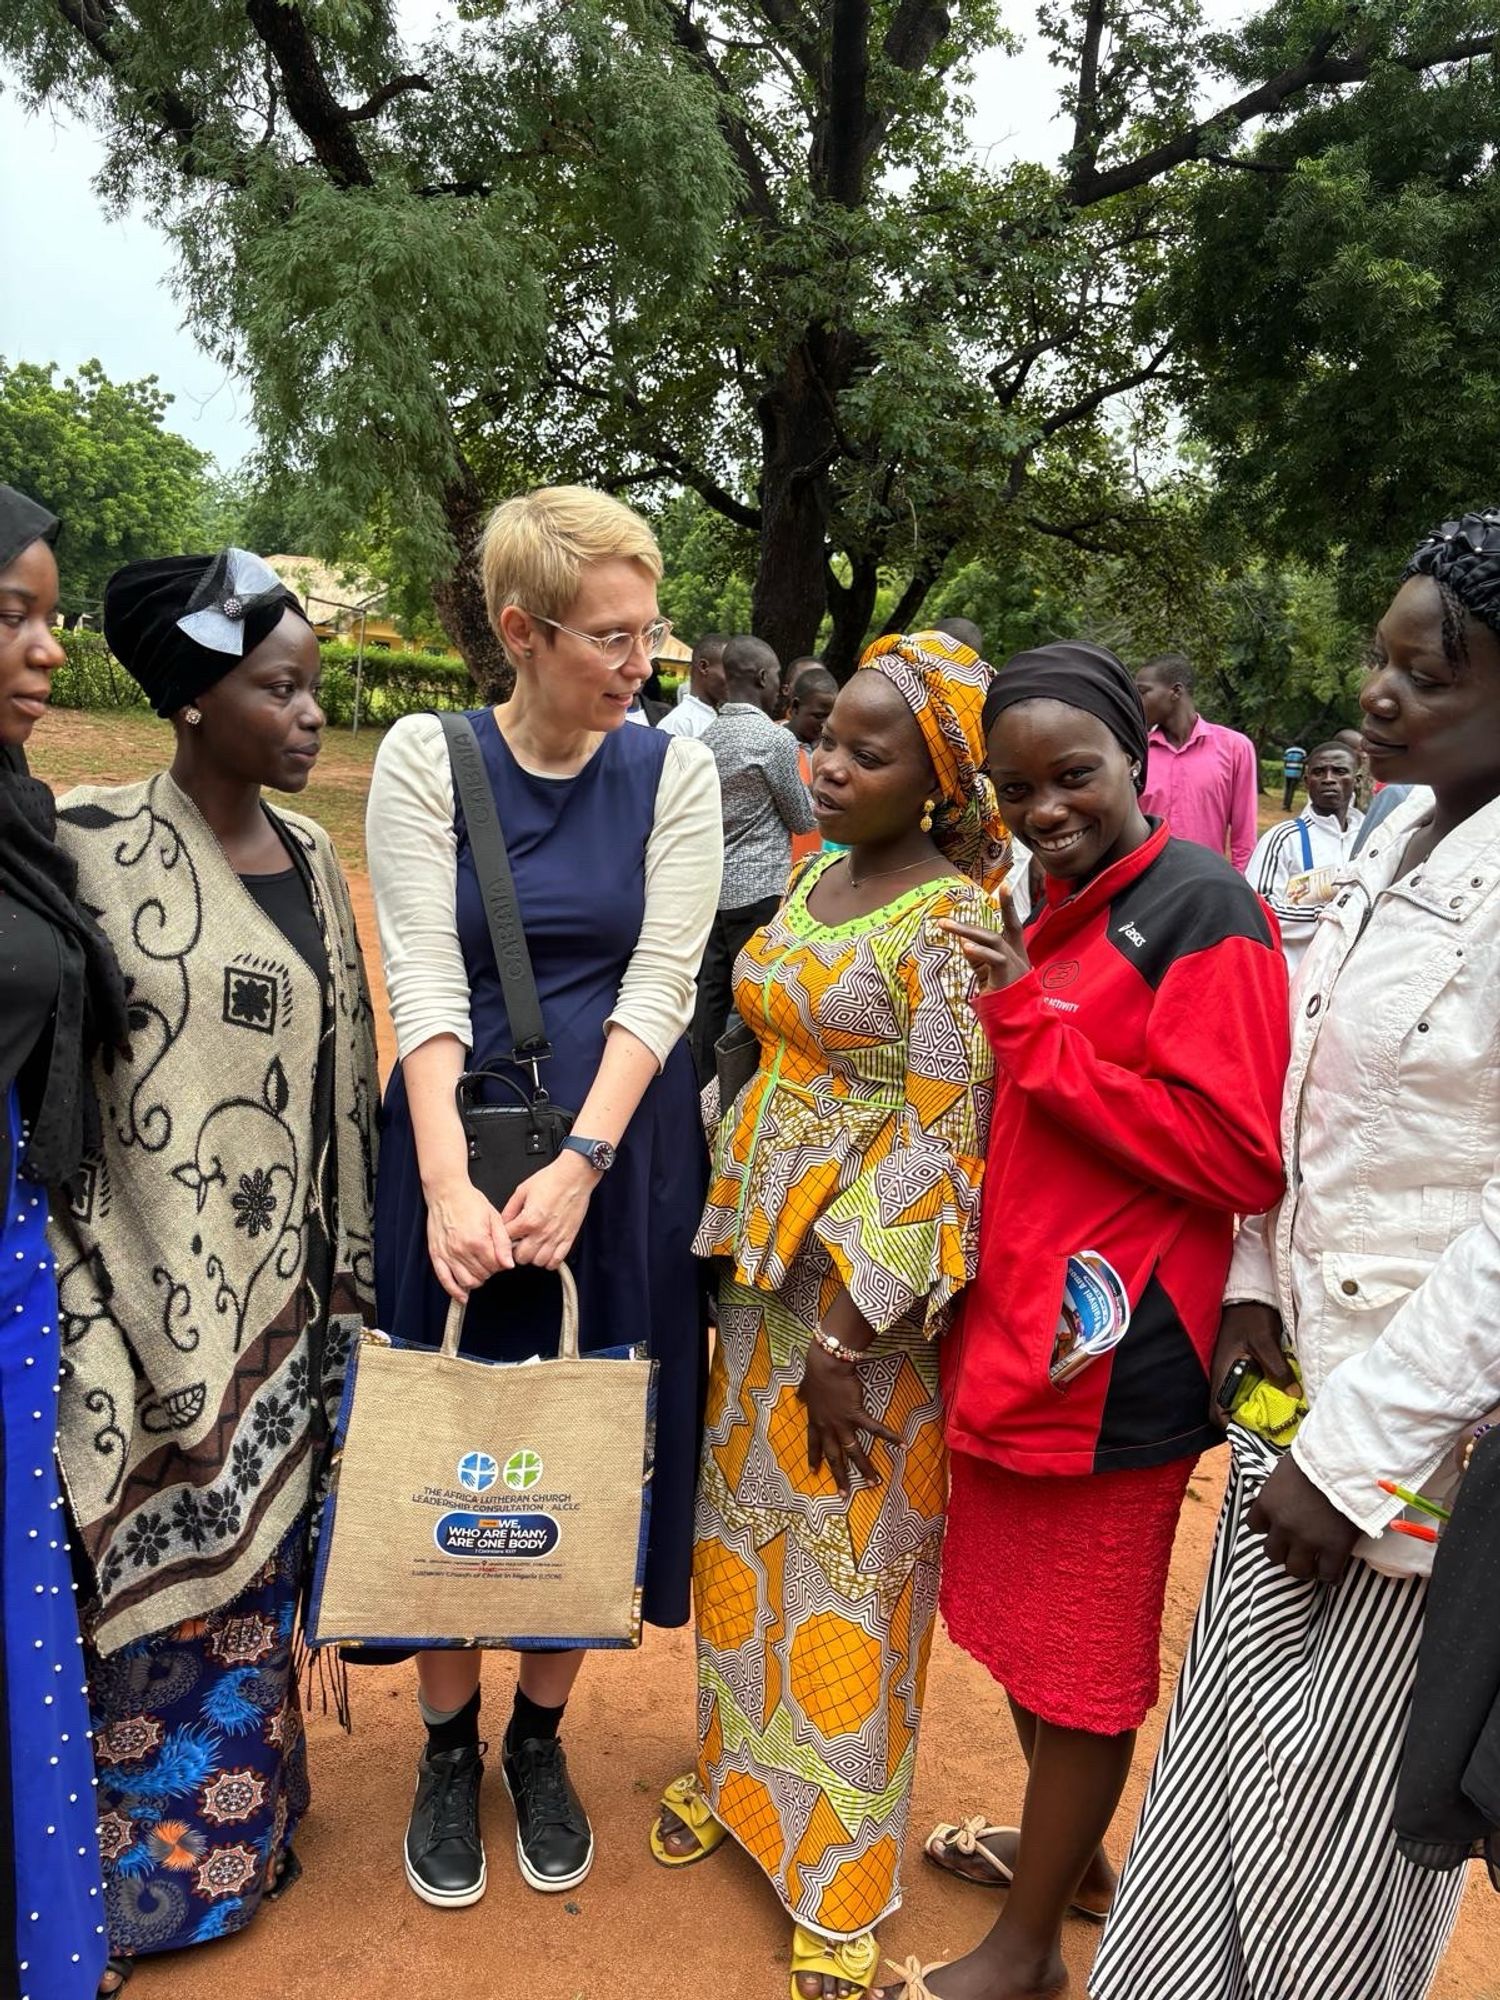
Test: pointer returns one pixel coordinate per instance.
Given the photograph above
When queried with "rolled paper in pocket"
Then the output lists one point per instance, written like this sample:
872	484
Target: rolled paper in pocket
1312	888
1094	1319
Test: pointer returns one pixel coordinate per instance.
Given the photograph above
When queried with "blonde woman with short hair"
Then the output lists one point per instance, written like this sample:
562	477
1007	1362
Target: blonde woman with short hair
615	844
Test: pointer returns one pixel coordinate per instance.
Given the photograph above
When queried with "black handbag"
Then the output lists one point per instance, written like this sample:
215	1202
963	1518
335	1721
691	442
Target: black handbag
508	1142
736	1059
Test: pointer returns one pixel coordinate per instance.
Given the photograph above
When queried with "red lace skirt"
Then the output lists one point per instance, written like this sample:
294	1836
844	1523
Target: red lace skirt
1056	1586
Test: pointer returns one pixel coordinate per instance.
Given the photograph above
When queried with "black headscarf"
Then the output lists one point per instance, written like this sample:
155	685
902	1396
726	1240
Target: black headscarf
1080	676
58	1100
23	522
179	624
1464	557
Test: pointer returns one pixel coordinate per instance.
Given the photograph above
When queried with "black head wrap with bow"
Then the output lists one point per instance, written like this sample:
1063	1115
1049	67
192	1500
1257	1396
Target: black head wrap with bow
179	624
1463	557
57	1099
1080	676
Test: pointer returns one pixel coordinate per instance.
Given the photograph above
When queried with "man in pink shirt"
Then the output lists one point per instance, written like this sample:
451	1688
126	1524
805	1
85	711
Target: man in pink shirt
1201	778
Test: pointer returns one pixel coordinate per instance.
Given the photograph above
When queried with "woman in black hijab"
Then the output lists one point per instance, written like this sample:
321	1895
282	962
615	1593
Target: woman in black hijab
1139	1027
61	997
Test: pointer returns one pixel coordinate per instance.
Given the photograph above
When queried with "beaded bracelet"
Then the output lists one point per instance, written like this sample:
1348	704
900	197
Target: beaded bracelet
837	1348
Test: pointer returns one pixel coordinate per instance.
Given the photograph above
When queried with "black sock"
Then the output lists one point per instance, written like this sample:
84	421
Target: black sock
528	1719
459	1731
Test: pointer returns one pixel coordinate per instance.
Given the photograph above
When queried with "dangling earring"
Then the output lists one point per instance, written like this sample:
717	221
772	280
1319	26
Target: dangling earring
928	808
192	716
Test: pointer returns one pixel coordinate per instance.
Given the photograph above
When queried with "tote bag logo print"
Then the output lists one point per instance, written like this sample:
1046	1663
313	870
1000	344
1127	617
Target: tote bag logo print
523	1469
427	1538
478	1471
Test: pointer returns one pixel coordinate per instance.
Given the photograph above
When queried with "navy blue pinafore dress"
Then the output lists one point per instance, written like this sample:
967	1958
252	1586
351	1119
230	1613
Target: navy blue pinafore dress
577	850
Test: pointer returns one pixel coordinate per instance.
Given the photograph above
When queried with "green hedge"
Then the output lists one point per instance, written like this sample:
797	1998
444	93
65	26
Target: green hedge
395	684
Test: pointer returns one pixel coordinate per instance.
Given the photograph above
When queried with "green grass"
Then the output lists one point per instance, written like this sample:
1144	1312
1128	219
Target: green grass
77	747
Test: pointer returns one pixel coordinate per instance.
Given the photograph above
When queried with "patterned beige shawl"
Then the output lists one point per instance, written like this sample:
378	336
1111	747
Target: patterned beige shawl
217	1260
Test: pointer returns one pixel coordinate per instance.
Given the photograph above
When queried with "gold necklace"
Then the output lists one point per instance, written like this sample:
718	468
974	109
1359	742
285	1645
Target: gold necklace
881	874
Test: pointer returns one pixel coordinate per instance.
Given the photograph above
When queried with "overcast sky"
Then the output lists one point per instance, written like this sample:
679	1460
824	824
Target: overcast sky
82	284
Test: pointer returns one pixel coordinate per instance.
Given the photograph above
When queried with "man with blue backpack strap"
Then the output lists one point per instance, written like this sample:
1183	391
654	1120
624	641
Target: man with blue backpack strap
1294	865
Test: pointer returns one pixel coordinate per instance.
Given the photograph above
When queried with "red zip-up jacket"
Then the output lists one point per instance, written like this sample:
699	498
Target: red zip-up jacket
1139	1068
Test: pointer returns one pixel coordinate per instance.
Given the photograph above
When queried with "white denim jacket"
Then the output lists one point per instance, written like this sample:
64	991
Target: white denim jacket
1383	1256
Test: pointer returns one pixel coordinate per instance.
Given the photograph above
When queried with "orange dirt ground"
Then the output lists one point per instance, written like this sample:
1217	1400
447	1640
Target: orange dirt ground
351	1927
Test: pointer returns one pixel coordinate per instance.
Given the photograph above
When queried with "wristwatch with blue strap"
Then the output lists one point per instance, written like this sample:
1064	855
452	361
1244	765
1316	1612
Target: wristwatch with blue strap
599	1153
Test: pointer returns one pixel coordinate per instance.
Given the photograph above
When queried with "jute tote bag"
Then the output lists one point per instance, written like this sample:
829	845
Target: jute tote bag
480	1503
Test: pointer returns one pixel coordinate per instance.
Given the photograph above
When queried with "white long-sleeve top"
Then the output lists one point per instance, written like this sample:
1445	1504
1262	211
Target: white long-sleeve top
1383	1256
413	850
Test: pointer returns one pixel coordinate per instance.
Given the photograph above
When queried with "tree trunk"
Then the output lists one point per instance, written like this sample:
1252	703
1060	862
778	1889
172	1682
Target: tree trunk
791	583
459	596
853	606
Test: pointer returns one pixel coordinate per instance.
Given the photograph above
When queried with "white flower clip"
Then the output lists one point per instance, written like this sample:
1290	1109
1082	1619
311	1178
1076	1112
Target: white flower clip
235	583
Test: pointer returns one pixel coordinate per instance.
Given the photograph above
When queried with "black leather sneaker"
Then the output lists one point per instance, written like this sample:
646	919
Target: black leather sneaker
444	1853
554	1841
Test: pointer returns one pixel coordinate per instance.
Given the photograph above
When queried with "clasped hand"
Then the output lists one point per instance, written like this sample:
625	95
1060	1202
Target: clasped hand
469	1240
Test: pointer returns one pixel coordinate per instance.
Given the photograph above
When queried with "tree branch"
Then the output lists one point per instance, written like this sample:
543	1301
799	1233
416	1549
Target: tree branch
798	35
1085	151
923	577
1245	165
917	27
1150	371
1069	531
1318	70
306	92
839	156
691	39
378	100
667	459
93	20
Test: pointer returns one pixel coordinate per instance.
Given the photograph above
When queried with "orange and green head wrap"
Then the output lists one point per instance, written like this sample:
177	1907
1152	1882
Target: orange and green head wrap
944	684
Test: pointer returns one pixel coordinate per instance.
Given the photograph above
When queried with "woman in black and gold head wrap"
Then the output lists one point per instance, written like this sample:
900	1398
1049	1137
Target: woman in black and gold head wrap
60	998
219	1261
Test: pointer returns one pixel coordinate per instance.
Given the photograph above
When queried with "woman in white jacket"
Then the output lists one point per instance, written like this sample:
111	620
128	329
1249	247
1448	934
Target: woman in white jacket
1265	1866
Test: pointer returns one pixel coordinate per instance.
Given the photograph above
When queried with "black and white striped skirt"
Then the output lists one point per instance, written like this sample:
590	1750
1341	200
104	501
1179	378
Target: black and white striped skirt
1265	1866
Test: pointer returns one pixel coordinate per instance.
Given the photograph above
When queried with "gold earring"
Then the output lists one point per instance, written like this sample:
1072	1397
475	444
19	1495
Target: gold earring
928	809
193	716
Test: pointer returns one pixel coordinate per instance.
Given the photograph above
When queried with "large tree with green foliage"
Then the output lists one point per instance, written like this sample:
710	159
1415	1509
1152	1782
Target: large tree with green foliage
377	238
902	358
1337	308
741	247
98	453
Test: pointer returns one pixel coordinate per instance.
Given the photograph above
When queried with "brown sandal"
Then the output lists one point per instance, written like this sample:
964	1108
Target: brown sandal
947	1841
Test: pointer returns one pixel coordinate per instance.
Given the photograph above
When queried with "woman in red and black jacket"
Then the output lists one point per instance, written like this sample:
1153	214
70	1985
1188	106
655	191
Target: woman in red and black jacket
1140	1032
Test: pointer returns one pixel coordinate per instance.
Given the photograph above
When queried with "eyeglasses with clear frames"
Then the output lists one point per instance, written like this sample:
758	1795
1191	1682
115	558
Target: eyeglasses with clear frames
615	648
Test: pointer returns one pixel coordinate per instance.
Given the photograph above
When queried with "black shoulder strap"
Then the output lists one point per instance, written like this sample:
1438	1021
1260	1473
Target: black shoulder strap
496	885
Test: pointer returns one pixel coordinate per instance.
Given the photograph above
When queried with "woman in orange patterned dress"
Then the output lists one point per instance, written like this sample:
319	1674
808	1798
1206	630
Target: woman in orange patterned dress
846	1194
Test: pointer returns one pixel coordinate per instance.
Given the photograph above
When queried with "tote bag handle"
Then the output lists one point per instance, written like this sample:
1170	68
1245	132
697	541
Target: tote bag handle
567	1346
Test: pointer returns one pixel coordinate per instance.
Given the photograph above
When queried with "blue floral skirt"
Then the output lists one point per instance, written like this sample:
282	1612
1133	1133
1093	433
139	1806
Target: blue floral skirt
202	1766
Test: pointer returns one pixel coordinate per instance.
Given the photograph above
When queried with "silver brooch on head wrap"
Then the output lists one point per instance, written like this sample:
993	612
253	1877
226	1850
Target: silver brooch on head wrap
235	583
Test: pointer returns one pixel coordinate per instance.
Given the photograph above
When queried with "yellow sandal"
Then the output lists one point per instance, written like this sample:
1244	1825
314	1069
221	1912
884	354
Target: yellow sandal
684	1798
855	1960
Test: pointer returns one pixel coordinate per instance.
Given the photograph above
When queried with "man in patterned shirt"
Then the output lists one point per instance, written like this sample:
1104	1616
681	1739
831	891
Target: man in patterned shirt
765	803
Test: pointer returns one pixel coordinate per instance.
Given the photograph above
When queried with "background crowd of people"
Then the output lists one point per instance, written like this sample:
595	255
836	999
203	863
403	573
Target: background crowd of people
1015	967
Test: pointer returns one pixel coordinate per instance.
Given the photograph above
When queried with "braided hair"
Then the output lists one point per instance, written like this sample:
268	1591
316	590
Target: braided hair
1463	560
